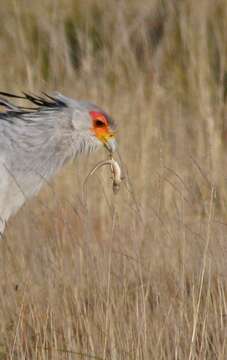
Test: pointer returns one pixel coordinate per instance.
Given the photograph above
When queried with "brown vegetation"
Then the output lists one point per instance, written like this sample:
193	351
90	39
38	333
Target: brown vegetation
141	274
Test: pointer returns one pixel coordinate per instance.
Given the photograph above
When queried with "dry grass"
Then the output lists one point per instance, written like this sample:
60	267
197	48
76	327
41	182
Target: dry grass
139	275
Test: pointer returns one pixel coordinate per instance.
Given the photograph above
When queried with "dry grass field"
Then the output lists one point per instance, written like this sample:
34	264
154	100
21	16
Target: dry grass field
141	274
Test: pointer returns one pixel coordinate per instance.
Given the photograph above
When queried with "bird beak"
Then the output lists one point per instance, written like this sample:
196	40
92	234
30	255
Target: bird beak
110	144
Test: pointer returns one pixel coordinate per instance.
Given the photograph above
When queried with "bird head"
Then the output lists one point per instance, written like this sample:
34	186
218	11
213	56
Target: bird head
103	129
94	127
64	123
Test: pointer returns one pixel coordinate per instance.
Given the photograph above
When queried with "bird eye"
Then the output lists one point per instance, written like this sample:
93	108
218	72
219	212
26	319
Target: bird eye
99	123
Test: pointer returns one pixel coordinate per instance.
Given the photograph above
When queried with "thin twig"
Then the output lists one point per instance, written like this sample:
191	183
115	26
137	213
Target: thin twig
90	356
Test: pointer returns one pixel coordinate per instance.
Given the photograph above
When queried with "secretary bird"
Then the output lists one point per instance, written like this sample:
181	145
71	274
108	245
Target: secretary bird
36	141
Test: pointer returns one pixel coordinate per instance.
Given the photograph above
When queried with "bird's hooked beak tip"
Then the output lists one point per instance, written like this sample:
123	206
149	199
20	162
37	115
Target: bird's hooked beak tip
110	145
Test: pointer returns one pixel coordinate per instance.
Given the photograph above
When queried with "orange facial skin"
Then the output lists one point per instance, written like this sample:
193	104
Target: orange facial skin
100	126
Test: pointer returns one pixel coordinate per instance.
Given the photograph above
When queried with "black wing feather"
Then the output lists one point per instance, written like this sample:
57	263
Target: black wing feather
44	102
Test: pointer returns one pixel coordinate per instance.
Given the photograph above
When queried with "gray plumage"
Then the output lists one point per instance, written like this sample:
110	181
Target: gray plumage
36	142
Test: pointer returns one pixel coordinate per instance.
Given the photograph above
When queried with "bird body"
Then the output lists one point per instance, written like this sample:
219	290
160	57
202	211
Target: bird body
36	142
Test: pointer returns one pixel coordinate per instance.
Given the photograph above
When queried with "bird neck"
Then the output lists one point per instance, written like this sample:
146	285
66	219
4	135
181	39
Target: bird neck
37	152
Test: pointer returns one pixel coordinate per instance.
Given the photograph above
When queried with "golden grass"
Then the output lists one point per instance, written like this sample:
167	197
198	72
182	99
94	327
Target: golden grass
139	275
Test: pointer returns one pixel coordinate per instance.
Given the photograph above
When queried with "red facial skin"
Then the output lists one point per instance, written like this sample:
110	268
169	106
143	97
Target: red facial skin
100	126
